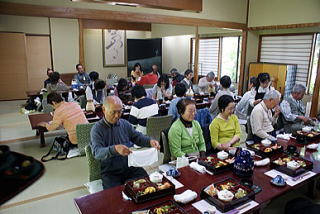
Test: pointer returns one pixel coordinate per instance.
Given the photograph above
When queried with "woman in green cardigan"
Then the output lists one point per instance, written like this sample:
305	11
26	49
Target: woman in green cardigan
225	128
185	135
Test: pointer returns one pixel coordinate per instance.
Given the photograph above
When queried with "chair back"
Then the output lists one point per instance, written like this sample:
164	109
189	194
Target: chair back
83	136
94	165
156	124
165	146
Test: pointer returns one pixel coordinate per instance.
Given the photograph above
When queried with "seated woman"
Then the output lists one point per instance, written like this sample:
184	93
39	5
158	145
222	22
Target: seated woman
188	74
123	91
56	84
225	128
136	73
162	89
185	135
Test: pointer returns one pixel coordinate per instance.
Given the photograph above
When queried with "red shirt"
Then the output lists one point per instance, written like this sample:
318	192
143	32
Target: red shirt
148	79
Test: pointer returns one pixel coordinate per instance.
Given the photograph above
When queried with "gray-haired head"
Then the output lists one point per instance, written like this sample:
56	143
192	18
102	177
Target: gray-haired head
299	88
211	75
174	71
112	100
272	95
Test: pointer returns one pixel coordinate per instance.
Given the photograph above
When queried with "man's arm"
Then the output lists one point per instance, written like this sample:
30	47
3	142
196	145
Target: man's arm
286	111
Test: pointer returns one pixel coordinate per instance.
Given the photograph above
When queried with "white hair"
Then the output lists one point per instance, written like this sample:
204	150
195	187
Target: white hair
112	100
272	95
299	88
210	75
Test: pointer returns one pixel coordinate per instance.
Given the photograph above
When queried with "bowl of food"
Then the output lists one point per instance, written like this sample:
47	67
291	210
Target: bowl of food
156	177
266	142
225	195
307	129
222	155
293	165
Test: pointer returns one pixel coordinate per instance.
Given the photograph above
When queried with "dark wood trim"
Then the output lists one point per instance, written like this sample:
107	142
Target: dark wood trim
196	57
81	45
313	45
191	52
190	5
50	39
290	26
219	58
80	13
102	24
33	34
248	9
259	48
238	53
315	95
242	62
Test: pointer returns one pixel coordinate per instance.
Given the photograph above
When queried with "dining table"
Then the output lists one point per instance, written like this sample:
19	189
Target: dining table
111	200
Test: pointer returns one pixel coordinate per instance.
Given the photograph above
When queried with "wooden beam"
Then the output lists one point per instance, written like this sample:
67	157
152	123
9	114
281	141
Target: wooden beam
80	13
191	5
81	45
196	57
242	62
102	24
277	27
315	95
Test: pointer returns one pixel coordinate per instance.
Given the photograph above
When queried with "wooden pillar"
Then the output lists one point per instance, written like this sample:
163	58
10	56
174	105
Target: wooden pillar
242	62
81	48
315	96
196	57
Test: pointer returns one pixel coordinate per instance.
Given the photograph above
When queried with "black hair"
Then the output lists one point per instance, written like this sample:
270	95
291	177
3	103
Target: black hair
54	97
155	72
94	75
253	81
163	78
187	72
138	91
99	84
78	66
182	105
180	90
49	69
262	78
136	65
122	84
225	81
224	101
54	77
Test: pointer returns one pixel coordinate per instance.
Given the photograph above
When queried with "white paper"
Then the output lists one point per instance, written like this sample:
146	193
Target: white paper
176	183
273	173
204	206
242	122
143	157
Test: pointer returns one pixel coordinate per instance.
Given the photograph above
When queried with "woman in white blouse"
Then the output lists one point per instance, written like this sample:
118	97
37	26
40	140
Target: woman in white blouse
163	89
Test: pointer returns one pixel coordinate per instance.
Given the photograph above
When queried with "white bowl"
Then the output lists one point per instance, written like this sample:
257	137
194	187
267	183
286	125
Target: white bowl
307	129
293	165
222	155
225	195
266	142
156	177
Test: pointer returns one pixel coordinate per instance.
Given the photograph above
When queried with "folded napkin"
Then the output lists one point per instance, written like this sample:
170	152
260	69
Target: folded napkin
198	167
262	162
284	136
185	197
143	157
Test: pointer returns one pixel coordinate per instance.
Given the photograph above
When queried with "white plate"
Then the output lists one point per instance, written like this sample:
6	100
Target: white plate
312	146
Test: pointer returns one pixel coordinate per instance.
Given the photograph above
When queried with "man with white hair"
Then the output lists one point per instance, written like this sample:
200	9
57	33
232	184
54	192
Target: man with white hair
207	84
111	138
293	110
261	118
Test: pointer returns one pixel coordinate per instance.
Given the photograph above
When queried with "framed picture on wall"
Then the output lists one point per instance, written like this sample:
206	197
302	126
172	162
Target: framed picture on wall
114	48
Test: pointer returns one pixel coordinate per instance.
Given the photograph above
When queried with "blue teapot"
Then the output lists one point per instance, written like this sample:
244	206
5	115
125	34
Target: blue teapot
243	164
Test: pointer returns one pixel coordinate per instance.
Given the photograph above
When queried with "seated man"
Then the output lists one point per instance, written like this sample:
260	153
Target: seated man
142	108
261	117
96	93
81	77
110	139
49	71
180	90
68	114
207	84
56	84
148	79
293	110
176	76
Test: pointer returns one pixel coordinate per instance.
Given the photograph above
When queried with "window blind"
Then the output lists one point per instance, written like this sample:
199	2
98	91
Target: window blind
295	49
208	55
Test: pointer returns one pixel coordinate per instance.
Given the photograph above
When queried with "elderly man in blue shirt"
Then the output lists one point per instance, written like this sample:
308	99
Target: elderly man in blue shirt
111	138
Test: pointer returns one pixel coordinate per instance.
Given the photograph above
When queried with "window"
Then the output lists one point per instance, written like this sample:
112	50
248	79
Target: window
314	63
289	49
209	60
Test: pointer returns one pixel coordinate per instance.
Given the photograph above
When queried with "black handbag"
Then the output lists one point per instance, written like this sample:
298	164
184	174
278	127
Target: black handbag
59	149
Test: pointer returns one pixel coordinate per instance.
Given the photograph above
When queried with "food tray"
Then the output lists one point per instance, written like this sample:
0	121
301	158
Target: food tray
293	173
260	149
216	165
309	136
139	194
169	207
233	186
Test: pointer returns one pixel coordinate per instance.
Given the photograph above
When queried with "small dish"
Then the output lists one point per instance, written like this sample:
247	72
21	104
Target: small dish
278	181
307	129
225	195
156	177
293	165
173	172
313	146
222	155
266	142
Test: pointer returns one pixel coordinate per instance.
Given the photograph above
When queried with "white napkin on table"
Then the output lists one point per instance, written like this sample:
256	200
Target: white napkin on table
197	167
143	157
185	197
284	136
262	162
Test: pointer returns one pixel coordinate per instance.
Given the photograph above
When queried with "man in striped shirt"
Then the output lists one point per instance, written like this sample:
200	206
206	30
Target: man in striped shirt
142	108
